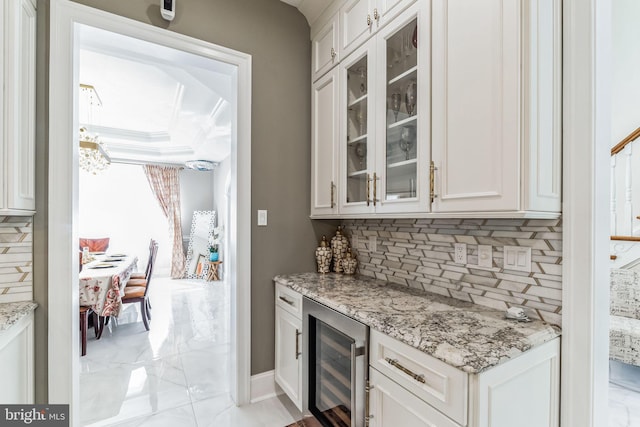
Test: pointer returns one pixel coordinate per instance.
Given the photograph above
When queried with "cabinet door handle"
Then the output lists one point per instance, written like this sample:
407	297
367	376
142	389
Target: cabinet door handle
332	187
368	20
432	179
376	15
368	189
396	364
367	404
285	300
333	53
298	353
375	188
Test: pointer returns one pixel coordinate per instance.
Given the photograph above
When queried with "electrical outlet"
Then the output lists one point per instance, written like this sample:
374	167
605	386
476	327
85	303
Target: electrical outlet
485	256
460	253
355	241
372	244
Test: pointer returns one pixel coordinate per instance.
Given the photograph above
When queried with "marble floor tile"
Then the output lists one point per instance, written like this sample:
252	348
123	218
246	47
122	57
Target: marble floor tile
177	374
129	391
182	416
132	376
221	412
207	371
624	407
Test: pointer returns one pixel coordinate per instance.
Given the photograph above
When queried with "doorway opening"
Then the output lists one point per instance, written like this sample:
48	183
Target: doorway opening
185	60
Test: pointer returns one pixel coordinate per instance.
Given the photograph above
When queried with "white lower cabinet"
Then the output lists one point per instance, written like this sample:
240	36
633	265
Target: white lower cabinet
288	355
16	363
392	405
411	388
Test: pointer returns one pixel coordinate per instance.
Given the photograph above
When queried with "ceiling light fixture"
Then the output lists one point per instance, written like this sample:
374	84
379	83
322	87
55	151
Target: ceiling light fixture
93	157
200	165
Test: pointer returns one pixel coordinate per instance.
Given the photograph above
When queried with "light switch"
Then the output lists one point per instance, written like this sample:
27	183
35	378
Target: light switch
262	218
517	258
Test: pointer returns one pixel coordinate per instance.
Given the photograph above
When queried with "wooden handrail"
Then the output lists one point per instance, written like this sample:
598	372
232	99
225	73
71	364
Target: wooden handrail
620	145
626	238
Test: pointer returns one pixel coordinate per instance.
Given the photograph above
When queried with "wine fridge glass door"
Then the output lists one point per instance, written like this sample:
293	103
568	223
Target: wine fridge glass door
330	375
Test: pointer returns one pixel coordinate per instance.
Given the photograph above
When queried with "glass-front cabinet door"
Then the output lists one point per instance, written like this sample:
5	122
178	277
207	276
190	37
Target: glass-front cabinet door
403	163
385	132
358	148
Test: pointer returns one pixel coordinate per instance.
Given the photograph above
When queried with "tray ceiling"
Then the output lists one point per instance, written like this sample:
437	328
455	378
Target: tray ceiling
158	104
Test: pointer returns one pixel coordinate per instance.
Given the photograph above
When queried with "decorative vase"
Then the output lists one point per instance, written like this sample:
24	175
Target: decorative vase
349	263
323	256
339	245
213	256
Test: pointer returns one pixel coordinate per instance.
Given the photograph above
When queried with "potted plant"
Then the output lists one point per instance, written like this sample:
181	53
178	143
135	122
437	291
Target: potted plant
214	244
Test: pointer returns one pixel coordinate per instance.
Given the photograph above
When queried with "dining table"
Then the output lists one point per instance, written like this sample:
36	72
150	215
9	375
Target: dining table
103	281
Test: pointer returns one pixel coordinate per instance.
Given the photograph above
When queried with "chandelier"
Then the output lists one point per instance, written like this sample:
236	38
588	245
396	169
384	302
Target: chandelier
93	157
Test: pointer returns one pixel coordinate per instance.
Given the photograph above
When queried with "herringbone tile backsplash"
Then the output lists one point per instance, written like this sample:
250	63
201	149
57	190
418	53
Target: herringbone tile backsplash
419	253
16	259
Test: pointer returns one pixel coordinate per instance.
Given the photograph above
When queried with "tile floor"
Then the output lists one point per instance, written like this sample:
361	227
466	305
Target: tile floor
624	395
624	407
175	374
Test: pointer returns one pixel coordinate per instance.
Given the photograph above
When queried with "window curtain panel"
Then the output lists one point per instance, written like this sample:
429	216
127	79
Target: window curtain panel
165	184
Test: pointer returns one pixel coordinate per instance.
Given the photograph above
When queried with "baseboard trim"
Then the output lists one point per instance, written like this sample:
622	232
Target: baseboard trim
263	386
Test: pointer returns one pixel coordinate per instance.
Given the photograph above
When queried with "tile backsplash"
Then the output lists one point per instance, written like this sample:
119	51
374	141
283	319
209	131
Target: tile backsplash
16	259
420	253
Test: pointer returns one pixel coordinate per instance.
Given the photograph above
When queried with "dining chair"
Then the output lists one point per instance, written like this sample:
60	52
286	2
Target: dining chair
143	275
140	293
85	312
95	245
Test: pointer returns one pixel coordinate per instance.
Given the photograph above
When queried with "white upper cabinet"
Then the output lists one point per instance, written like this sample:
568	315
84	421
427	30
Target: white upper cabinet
357	24
495	106
324	140
446	108
325	48
357	137
360	19
384	146
403	112
18	106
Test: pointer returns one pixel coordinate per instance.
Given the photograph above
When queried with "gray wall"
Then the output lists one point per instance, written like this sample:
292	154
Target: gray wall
277	37
40	240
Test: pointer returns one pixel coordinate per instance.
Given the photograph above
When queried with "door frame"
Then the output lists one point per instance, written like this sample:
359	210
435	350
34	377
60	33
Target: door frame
63	334
586	145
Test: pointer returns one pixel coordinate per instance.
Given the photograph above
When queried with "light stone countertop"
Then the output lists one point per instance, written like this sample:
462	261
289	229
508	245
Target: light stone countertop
467	336
12	312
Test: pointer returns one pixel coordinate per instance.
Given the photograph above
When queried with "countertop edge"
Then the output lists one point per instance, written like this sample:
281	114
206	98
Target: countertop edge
12	312
534	340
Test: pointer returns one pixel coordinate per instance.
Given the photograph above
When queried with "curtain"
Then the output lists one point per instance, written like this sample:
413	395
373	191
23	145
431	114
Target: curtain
165	184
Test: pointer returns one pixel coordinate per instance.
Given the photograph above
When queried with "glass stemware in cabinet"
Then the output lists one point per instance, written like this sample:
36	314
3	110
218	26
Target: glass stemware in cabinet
396	101
357	128
402	85
410	96
407	140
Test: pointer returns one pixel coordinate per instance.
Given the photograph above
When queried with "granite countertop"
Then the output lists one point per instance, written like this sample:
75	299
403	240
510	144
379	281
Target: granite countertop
12	312
467	336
